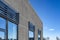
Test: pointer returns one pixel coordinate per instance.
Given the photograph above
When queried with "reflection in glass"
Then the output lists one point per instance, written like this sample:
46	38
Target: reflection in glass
12	31
2	23
31	35
2	36
38	37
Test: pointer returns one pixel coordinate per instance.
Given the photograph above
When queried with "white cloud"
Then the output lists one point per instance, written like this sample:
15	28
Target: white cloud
51	29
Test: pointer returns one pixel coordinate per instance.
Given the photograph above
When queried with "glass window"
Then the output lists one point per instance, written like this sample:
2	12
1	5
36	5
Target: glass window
38	35
31	35
31	31
12	31
2	35
2	23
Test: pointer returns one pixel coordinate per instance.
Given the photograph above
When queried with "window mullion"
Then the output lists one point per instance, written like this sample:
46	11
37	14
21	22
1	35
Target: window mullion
6	29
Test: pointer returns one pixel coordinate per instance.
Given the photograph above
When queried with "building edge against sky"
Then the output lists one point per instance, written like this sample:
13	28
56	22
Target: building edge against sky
27	18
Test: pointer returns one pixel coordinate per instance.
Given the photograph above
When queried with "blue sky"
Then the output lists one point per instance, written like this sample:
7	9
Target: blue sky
49	13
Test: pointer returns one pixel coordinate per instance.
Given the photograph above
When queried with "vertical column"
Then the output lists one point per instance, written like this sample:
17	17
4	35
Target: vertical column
41	36
36	33
6	29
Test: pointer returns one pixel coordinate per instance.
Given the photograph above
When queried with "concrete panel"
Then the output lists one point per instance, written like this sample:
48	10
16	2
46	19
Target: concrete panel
23	33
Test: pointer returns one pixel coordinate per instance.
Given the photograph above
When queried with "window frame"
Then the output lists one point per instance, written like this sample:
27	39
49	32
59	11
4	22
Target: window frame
6	30
9	19
13	27
2	29
30	30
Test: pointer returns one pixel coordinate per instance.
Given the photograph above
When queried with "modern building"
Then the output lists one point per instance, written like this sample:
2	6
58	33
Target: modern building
18	21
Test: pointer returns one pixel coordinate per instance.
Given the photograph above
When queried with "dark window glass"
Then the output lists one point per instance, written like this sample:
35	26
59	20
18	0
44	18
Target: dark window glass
2	23
7	11
12	31
1	11
31	31
38	35
2	35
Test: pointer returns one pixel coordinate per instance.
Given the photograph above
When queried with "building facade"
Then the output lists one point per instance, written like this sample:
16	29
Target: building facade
18	21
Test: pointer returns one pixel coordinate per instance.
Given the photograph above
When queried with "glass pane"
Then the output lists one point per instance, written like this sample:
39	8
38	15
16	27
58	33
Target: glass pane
2	23
31	35
2	36
12	31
